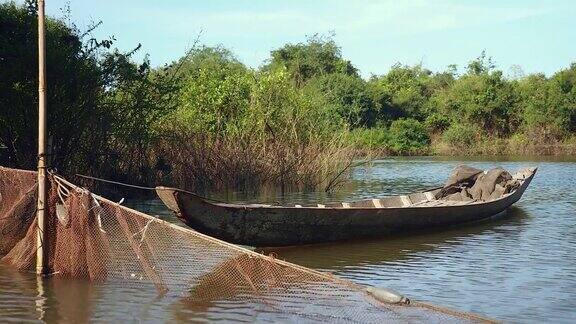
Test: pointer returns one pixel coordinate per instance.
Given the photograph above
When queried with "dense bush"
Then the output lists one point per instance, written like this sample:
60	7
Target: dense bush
408	136
348	97
214	92
375	138
486	100
407	89
318	56
437	123
460	136
549	103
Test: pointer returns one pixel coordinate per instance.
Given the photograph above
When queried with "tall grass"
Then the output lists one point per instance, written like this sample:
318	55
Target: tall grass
203	162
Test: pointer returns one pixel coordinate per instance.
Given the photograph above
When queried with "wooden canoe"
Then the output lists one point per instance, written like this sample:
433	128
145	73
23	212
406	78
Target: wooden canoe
268	225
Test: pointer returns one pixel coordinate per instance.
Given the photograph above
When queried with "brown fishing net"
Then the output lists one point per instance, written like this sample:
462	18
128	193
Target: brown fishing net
17	206
94	238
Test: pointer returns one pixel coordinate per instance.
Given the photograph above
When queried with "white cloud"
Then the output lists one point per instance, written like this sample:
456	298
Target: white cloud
417	16
347	18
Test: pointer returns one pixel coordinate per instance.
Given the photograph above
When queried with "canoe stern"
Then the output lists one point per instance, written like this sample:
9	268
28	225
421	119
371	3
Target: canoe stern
169	199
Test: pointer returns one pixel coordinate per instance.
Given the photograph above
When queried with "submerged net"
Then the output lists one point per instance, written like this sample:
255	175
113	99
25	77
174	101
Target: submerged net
94	238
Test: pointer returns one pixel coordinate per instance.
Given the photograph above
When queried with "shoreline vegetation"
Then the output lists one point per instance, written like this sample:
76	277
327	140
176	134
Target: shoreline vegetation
208	122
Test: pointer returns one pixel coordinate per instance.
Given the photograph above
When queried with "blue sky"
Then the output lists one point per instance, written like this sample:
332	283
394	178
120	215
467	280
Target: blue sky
539	36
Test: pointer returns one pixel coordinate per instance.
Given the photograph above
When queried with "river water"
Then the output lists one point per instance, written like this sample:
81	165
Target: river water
521	268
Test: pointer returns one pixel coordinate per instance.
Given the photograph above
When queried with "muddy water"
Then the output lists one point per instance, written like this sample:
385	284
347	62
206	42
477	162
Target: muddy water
520	269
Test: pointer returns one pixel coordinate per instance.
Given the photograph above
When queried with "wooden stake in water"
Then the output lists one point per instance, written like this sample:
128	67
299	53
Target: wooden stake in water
40	239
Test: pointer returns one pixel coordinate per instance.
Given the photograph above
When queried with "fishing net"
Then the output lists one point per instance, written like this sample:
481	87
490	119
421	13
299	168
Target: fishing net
17	206
94	238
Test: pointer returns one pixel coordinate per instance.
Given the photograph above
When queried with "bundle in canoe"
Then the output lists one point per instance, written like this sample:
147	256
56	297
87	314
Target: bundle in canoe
469	195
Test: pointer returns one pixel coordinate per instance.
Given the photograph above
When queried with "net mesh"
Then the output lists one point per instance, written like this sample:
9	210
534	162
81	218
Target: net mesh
17	206
90	237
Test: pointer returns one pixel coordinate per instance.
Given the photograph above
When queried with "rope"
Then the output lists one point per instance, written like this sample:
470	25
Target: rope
142	187
116	182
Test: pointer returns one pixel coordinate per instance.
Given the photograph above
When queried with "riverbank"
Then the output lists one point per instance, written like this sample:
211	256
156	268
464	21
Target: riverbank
497	148
411	140
519	145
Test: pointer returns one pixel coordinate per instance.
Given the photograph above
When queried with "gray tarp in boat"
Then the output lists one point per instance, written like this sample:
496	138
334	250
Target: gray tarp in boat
470	184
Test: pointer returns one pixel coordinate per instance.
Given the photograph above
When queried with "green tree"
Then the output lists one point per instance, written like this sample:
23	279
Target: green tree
549	104
481	97
134	98
565	83
407	90
215	90
100	103
481	65
318	56
348	96
74	87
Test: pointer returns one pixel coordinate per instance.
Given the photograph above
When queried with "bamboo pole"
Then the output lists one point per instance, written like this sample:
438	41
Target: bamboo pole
40	238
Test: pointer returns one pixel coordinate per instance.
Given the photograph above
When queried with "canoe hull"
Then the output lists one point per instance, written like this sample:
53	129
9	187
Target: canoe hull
284	226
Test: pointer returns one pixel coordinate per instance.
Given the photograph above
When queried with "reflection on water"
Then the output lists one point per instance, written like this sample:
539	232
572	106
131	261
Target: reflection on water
520	268
398	248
